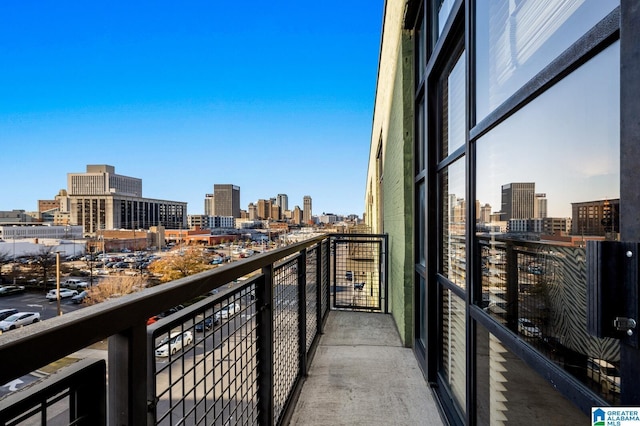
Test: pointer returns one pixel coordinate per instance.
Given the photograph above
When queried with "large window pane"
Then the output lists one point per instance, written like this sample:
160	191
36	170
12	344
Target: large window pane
516	39
549	175
453	110
511	393
420	237
453	346
453	213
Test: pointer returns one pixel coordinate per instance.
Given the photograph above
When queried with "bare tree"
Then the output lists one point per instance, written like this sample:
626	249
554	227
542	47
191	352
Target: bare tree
44	260
5	258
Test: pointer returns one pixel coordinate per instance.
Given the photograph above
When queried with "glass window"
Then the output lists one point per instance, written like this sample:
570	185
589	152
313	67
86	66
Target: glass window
453	107
509	392
444	10
420	238
454	346
538	172
516	39
420	137
421	49
453	213
422	311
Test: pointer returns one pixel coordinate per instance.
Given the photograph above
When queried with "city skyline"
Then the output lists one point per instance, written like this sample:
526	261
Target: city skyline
183	96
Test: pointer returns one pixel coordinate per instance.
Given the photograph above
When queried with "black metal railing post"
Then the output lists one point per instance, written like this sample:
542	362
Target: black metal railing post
128	376
264	324
302	310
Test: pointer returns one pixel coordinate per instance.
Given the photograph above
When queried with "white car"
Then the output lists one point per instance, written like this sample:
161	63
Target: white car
174	343
528	328
18	320
227	312
604	373
64	292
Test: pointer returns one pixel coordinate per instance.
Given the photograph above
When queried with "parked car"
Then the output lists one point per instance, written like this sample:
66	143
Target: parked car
18	320
528	328
226	312
79	298
11	289
4	313
206	324
604	373
349	275
74	283
64	292
170	311
175	342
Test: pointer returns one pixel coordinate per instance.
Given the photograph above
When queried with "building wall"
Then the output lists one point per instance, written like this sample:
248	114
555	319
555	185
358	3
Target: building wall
389	179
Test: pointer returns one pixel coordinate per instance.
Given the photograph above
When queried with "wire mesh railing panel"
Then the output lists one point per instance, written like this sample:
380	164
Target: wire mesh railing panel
205	362
286	350
324	288
358	273
312	295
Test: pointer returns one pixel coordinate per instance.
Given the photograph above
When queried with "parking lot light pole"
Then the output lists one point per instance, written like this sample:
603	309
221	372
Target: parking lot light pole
58	282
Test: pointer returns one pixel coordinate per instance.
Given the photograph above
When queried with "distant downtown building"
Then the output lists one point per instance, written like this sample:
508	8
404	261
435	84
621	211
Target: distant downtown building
283	201
518	200
226	200
306	209
101	199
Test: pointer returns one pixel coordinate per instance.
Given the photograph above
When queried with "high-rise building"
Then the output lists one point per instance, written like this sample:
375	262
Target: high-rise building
518	200
253	211
540	206
306	209
102	179
595	217
275	212
209	205
296	215
283	201
264	209
226	200
100	199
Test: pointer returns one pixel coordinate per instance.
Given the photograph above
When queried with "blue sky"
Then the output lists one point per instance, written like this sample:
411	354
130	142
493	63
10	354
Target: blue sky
276	97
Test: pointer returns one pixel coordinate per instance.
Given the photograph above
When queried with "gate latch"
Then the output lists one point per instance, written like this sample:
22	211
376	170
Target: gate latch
625	324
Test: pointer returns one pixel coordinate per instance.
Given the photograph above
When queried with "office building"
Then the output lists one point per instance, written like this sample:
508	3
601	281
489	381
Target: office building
283	201
479	94
226	200
306	209
100	199
518	200
209	205
264	209
597	218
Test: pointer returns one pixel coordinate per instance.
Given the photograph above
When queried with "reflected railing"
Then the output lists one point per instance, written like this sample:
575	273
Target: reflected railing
237	354
539	291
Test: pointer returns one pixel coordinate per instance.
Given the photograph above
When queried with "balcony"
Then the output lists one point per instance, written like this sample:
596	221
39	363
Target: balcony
296	335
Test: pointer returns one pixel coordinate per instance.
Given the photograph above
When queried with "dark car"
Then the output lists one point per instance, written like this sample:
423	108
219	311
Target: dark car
5	313
170	311
79	298
11	289
207	324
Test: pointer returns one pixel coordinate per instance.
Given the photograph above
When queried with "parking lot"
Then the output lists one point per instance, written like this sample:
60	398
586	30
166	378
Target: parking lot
36	302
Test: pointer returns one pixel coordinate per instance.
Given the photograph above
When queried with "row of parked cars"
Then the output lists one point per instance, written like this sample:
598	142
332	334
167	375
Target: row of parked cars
178	340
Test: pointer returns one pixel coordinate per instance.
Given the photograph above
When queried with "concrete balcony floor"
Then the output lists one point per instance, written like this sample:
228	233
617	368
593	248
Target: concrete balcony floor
362	375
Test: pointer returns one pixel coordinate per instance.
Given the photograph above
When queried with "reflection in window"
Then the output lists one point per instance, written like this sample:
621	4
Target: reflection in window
539	181
452	190
420	238
509	392
453	345
443	14
422	311
517	39
453	106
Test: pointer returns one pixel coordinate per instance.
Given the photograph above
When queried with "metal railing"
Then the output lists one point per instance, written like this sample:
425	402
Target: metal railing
236	357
